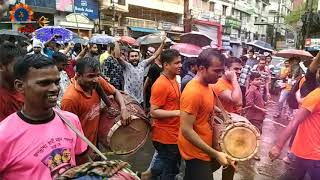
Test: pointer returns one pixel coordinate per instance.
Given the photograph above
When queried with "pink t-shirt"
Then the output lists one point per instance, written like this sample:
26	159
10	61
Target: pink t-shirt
38	150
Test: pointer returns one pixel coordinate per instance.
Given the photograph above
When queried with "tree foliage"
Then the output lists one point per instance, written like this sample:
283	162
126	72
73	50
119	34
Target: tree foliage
295	15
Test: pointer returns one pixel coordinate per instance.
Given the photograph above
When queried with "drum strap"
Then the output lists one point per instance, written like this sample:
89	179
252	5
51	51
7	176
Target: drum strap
225	115
81	136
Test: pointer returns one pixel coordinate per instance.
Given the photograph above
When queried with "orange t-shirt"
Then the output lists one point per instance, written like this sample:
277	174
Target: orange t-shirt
284	72
302	81
85	106
306	143
197	100
165	94
221	86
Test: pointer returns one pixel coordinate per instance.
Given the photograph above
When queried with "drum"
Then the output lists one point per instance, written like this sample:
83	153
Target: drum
111	170
237	137
123	139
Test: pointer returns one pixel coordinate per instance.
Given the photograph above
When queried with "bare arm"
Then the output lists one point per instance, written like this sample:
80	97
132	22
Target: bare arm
117	52
298	96
315	63
81	54
158	113
125	115
292	126
234	96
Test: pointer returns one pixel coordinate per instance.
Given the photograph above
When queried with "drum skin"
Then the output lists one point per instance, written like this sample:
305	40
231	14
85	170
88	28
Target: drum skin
123	139
238	138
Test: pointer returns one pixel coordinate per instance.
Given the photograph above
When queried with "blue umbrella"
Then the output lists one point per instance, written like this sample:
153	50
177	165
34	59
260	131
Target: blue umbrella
102	39
47	32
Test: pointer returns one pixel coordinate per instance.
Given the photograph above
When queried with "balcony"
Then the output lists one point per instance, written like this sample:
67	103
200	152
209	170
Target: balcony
135	22
121	6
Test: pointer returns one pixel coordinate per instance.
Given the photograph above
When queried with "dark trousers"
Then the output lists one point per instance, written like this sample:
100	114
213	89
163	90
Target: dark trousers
300	167
202	170
170	158
243	90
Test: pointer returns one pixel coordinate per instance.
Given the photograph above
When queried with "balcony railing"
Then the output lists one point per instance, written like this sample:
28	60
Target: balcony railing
135	22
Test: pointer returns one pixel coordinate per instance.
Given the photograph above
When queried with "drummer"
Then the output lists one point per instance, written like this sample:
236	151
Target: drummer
227	88
82	98
196	106
35	142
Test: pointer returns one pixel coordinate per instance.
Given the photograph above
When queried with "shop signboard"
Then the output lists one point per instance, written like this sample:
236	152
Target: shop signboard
89	8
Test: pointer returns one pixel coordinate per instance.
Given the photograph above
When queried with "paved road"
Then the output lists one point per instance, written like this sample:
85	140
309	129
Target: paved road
249	170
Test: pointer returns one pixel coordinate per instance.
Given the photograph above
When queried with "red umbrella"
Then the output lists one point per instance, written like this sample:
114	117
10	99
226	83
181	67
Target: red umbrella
188	50
288	53
128	40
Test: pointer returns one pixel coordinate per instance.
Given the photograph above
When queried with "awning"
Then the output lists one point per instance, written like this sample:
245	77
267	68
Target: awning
141	29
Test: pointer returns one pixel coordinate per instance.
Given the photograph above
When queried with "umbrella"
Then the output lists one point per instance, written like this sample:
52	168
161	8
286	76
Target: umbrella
188	50
47	32
127	39
196	38
102	39
261	44
5	34
151	39
288	53
79	40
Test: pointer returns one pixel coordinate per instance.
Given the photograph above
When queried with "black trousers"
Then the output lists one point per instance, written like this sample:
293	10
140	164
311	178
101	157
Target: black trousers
202	170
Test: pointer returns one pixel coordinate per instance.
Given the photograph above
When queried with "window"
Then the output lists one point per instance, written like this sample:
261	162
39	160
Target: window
211	6
224	10
255	19
120	2
264	7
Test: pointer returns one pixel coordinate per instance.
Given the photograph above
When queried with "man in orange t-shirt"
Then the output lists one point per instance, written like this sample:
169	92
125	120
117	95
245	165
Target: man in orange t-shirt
306	144
228	89
196	106
82	99
165	101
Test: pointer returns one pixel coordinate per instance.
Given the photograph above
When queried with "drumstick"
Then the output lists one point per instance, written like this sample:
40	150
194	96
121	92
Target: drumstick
74	129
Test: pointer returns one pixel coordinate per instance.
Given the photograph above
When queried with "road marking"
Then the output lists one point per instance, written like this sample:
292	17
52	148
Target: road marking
274	122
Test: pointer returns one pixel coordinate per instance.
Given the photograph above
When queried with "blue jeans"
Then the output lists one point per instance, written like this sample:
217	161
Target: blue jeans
155	166
300	167
170	158
284	95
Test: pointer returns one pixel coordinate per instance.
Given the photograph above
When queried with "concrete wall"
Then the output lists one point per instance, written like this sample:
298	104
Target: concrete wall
174	6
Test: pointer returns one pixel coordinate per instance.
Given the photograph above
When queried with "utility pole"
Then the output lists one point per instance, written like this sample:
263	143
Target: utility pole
277	25
309	18
186	15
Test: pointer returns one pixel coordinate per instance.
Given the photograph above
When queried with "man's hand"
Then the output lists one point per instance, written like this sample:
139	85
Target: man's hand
177	112
125	117
224	160
275	152
163	38
231	75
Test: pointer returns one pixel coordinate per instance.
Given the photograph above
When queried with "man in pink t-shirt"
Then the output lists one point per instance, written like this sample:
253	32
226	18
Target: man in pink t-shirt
35	142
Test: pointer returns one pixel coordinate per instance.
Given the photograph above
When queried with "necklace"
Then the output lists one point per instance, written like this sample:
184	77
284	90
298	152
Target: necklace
177	93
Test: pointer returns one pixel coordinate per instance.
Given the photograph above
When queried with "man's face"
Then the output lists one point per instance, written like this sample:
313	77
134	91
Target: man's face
89	79
250	55
40	87
94	49
269	59
6	72
174	67
236	67
262	64
134	58
214	71
37	50
61	65
287	64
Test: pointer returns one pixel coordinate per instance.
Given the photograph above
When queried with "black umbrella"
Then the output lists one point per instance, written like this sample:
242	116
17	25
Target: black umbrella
6	34
261	45
196	38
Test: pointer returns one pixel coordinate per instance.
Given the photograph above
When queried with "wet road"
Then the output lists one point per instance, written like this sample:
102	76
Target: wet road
248	170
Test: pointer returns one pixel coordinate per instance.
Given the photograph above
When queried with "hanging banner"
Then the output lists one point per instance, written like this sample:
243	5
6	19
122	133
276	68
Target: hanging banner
64	5
88	8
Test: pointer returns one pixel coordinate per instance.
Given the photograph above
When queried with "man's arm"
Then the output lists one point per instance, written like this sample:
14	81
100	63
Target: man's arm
234	96
187	121
82	53
158	113
250	101
288	132
117	51
156	54
125	115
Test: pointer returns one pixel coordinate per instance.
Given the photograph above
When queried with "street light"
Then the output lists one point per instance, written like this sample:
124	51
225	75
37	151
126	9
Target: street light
114	16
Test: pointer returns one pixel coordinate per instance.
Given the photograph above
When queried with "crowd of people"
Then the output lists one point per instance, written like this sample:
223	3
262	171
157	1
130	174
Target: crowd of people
178	92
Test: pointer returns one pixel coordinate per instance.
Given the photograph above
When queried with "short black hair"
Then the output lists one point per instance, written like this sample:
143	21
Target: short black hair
59	57
232	60
168	55
133	50
37	61
9	51
254	75
90	62
205	57
251	51
112	46
191	62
